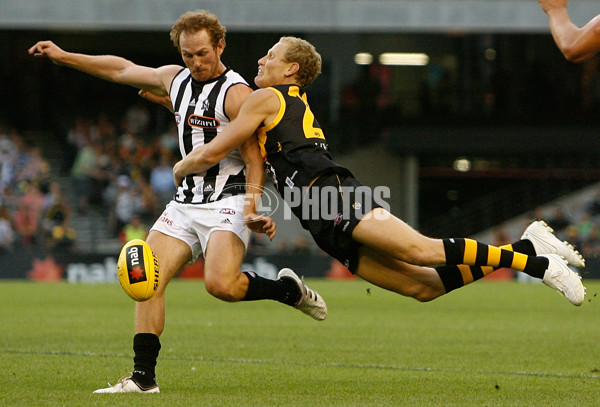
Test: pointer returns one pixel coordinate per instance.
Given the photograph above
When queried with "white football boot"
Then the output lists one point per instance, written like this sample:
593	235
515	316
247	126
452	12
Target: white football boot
563	279
310	302
544	242
127	385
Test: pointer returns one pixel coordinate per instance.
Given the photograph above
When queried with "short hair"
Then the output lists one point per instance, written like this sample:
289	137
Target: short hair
194	21
305	54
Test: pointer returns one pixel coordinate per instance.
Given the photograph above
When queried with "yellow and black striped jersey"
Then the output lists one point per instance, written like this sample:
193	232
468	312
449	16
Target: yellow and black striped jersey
294	145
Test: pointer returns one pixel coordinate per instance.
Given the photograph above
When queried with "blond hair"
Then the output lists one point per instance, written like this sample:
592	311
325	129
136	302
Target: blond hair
305	54
194	21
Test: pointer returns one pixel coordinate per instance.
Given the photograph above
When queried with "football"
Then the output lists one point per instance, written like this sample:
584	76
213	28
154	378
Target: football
138	270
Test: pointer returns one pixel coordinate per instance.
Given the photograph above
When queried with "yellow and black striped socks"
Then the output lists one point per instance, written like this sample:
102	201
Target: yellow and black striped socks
468	260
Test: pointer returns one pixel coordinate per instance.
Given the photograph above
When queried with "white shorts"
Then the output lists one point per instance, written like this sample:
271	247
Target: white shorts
193	223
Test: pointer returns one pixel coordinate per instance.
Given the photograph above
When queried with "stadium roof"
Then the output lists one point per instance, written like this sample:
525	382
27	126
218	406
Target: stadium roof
294	15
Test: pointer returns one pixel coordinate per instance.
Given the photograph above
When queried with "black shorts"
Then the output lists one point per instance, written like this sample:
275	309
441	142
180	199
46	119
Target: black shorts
345	204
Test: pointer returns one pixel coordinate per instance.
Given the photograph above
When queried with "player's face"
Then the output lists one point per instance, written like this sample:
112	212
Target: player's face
272	68
202	59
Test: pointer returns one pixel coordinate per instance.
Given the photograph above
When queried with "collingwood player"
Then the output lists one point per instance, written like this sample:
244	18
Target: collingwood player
209	212
372	243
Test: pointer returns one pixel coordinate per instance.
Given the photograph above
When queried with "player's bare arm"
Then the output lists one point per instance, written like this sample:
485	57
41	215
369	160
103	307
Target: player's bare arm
160	100
255	181
576	44
259	108
255	171
110	68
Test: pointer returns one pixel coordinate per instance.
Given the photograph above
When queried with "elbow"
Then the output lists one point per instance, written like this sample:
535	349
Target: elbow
574	55
581	48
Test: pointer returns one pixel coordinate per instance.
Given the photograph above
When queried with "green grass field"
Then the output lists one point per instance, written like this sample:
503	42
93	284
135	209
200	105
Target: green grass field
489	344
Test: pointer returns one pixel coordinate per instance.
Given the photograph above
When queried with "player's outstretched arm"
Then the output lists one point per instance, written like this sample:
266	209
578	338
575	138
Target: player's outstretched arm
109	67
576	44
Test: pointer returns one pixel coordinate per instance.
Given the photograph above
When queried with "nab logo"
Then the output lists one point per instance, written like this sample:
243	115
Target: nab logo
136	269
227	211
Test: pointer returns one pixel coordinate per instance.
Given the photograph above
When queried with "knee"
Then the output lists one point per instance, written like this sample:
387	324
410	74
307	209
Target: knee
423	293
422	253
222	289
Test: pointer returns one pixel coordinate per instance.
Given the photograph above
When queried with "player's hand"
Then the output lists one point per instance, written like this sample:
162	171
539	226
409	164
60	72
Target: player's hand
46	49
548	5
161	100
261	224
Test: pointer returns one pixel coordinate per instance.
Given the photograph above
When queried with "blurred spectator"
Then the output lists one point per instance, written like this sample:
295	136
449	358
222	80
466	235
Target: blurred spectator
90	175
82	133
591	247
584	226
301	246
127	203
259	244
572	236
7	233
145	155
501	237
161	179
137	119
593	207
105	128
63	236
27	223
33	165
134	230
169	140
128	144
557	221
57	210
150	205
8	160
33	197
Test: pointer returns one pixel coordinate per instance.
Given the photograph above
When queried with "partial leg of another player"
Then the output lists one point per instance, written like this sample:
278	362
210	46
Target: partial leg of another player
465	259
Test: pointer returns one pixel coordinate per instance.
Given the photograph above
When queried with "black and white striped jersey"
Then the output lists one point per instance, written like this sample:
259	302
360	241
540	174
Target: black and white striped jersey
200	116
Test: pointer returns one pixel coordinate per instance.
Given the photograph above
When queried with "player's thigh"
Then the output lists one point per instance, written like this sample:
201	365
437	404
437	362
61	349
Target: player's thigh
223	255
172	254
388	234
421	283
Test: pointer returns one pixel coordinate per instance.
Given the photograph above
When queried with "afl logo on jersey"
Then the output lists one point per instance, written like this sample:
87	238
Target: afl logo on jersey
203	122
177	118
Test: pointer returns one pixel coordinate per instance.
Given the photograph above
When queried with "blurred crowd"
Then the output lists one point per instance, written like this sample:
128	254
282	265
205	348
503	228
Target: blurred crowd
581	227
117	169
123	170
578	224
126	169
33	208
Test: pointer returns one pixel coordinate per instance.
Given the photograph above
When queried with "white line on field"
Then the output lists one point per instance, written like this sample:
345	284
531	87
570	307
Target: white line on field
313	364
